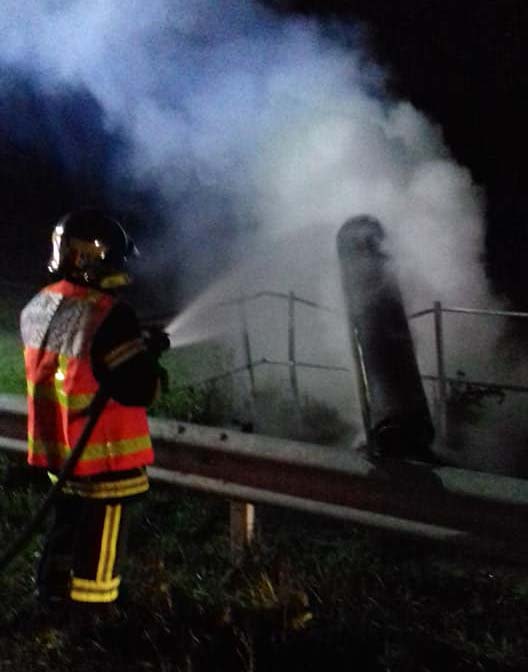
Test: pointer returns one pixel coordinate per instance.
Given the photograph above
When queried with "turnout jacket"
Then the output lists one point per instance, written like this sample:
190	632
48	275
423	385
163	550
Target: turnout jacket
75	338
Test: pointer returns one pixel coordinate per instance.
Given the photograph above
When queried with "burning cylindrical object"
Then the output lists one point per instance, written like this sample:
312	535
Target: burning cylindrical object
395	410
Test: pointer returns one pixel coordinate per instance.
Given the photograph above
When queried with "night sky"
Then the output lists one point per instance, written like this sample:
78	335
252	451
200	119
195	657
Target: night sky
465	65
462	63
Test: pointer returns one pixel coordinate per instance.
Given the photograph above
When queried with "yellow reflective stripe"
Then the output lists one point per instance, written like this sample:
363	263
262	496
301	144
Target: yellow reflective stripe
83	596
112	548
92	451
55	393
88	590
111	485
64	399
92	585
60	373
124	352
104	544
116	280
107	489
117	494
107	555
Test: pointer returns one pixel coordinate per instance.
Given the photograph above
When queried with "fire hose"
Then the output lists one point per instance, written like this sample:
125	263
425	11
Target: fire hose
94	412
157	341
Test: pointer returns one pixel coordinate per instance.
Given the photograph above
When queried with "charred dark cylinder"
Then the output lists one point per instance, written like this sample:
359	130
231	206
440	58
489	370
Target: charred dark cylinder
395	410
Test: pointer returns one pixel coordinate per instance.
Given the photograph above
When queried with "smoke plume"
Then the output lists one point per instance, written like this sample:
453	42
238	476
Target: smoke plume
242	119
261	134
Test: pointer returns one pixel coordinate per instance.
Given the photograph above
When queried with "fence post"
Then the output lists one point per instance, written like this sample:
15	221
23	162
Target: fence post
292	362
363	386
247	350
242	514
440	370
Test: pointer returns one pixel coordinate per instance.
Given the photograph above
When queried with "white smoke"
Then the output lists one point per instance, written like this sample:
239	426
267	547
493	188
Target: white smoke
267	112
238	116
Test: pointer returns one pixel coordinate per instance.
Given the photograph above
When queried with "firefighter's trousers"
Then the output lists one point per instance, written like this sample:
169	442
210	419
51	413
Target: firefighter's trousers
83	550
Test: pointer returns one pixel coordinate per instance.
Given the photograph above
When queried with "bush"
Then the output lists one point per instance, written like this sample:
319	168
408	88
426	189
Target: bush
313	421
208	403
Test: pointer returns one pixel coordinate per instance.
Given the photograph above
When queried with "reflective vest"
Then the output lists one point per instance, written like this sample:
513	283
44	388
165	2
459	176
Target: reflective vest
57	328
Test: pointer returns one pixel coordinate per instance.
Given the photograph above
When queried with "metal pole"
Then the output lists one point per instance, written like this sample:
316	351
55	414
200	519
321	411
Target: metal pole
247	349
291	354
242	514
440	368
364	393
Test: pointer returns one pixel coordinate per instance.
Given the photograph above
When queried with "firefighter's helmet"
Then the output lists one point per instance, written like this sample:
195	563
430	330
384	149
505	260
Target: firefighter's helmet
92	248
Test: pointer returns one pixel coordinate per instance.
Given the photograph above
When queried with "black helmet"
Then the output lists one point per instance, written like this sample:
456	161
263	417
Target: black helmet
92	248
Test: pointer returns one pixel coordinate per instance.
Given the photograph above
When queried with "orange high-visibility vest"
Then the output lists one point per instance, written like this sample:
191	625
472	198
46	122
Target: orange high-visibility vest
57	328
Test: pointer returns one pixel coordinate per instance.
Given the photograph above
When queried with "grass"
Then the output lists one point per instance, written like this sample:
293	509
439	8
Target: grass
310	595
209	404
12	379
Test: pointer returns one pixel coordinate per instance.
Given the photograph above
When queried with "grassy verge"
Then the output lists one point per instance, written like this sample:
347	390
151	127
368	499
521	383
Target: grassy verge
208	404
311	595
12	380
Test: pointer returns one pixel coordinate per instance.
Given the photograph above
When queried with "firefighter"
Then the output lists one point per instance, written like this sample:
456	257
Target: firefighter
77	336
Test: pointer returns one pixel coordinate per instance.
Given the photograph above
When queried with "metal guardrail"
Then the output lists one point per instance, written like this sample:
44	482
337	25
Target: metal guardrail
477	511
473	510
278	295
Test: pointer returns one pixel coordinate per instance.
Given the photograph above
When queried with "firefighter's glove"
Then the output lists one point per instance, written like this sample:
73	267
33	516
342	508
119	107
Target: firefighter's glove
157	341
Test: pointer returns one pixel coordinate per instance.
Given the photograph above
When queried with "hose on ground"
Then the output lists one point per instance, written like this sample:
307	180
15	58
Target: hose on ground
94	412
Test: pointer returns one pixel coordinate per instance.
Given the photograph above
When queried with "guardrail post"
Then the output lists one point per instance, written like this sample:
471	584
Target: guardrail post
441	407
485	512
242	528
